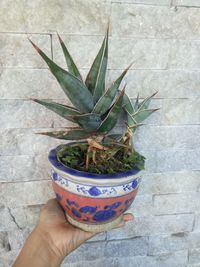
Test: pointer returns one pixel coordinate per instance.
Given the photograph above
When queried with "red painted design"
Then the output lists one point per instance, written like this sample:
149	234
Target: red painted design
93	210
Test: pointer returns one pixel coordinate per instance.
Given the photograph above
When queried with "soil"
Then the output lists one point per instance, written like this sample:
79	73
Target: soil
74	156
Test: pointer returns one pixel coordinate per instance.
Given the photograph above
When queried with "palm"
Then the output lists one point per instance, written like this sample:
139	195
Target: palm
63	235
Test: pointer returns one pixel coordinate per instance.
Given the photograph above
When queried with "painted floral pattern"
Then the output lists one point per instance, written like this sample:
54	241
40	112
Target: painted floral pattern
95	191
93	210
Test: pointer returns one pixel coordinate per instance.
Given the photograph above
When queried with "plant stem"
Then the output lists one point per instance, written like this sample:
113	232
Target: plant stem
87	158
94	156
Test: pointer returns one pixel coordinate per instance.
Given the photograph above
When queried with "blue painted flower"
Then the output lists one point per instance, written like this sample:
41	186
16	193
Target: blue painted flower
81	189
76	213
88	209
104	215
134	184
71	202
113	206
64	182
55	176
94	191
126	202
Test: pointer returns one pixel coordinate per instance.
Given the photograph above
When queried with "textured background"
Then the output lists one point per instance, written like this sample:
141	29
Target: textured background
162	37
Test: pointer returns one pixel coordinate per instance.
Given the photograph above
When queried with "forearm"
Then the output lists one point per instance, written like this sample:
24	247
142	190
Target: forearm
37	252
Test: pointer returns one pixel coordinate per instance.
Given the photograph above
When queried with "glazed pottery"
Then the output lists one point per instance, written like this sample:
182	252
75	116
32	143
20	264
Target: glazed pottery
93	202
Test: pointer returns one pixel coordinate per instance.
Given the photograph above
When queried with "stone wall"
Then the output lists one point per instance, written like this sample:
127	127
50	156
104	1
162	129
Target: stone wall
162	38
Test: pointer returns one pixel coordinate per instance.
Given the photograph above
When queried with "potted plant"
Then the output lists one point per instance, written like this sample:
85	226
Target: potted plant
95	177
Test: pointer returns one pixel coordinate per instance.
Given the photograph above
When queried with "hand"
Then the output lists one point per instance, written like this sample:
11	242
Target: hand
53	238
62	236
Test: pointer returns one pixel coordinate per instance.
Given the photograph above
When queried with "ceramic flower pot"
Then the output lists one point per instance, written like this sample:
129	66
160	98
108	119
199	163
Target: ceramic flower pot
93	202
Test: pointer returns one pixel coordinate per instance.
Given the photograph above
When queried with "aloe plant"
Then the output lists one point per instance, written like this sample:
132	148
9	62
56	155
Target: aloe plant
95	109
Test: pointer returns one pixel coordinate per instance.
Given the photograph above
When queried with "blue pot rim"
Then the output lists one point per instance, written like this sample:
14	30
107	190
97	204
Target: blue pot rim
60	166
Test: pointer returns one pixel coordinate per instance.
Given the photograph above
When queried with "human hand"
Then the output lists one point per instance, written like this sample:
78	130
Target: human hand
53	238
59	233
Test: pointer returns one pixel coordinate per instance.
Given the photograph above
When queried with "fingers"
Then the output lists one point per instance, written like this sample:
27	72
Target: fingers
52	212
52	204
128	217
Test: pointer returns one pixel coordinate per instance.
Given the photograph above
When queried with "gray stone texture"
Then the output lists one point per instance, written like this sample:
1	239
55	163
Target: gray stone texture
197	222
168	83
38	193
37	168
74	17
168	137
176	203
171	160
161	22
7	259
186	3
162	39
29	83
144	2
27	215
40	83
177	259
15	142
170	182
142	206
144	53
194	256
4	243
160	244
121	249
28	114
13	47
151	225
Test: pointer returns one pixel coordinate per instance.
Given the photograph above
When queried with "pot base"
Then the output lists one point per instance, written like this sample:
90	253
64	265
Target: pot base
97	228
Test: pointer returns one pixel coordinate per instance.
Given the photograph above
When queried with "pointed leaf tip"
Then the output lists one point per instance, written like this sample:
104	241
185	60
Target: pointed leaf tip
95	80
67	135
130	65
35	46
72	86
69	60
127	69
63	110
60	39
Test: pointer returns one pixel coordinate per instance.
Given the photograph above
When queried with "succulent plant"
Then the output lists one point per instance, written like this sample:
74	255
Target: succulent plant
95	109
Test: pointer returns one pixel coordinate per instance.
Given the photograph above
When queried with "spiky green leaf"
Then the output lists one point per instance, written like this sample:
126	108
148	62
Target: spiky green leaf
107	98
67	135
143	114
77	92
130	120
69	60
113	115
89	122
145	103
136	105
112	138
62	110
95	80
127	105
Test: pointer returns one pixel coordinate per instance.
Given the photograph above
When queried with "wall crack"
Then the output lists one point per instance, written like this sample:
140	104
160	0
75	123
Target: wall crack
14	220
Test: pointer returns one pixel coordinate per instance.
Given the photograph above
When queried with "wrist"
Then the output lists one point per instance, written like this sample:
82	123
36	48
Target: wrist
42	237
37	252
